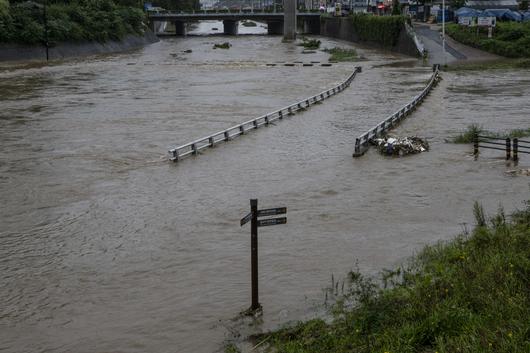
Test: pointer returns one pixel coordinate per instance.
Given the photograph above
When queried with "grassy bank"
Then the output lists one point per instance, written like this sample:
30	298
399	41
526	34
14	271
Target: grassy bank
75	20
342	54
471	294
510	39
384	30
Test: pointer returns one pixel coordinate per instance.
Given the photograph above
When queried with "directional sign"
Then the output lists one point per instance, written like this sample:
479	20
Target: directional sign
272	221
272	211
245	219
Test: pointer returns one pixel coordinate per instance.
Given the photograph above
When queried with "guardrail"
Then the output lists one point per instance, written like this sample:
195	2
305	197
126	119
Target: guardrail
361	142
194	147
512	146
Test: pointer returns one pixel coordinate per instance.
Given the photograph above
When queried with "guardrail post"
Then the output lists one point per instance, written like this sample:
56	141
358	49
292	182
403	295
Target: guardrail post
255	123
242	129
289	110
307	104
227	136
508	148
475	145
515	149
266	120
175	154
357	150
210	141
280	115
194	148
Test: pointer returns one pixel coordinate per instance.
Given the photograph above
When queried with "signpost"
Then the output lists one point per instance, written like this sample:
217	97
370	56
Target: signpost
254	224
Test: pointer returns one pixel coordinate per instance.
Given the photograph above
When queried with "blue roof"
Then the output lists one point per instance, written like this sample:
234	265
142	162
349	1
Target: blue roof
467	12
503	14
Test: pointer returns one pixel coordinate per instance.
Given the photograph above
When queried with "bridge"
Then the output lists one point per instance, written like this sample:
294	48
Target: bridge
277	22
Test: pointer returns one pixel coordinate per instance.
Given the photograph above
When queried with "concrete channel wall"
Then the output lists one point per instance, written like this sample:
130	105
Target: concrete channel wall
342	28
17	52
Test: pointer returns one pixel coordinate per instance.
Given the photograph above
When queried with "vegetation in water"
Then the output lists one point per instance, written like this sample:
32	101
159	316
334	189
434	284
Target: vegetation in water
310	43
224	45
474	129
384	30
469	295
342	54
75	20
502	64
510	39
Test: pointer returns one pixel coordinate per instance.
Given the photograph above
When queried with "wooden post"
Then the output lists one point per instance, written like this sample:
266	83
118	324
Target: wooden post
515	149
475	145
508	149
254	254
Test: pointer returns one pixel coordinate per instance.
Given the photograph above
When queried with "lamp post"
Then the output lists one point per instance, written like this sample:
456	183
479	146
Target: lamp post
443	31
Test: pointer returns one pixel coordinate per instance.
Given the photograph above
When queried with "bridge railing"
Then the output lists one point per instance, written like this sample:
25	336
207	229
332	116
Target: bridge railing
194	147
361	142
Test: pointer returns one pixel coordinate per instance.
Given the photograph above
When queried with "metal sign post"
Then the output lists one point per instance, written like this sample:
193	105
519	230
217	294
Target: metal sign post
254	224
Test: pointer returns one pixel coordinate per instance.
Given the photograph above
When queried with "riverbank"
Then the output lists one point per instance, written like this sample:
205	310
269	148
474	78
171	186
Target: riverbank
68	50
467	295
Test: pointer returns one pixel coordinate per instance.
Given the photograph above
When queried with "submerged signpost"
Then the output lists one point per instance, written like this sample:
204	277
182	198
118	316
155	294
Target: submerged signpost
254	224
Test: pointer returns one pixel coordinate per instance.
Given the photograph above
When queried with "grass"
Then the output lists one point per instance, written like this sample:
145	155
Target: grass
224	45
510	39
468	295
469	133
503	64
310	43
341	54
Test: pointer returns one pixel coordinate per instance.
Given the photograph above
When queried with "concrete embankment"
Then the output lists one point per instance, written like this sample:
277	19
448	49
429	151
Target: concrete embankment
342	28
64	50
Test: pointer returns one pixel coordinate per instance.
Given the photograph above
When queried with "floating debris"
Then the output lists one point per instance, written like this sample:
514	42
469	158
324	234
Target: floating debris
187	51
224	45
270	64
400	146
307	64
516	172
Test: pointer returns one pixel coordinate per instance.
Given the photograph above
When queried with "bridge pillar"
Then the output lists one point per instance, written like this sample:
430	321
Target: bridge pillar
152	26
275	27
180	28
289	20
230	27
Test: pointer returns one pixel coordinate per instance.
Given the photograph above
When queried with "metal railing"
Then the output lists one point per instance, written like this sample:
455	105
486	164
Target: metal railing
361	142
194	147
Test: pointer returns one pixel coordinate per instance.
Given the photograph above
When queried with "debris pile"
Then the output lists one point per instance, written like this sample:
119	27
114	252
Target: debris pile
515	172
400	146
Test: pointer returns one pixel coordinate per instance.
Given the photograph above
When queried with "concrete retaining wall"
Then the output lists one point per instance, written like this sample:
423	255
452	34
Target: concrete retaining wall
16	52
342	28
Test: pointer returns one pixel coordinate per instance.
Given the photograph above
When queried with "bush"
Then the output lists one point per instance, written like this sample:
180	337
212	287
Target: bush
384	30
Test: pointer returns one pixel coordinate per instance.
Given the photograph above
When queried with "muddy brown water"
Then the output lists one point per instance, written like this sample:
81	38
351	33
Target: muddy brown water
106	246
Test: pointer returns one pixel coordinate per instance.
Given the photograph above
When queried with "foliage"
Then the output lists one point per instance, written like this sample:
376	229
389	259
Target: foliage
75	20
474	129
310	43
456	4
178	5
384	30
523	5
341	54
469	295
510	39
396	10
224	45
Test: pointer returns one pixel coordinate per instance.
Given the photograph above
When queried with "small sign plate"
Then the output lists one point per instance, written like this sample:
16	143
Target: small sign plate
245	219
272	221
272	211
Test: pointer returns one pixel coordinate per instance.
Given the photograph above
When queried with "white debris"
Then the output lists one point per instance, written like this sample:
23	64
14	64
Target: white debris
400	146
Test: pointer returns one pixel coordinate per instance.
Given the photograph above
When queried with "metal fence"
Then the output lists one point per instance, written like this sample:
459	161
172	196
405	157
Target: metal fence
361	142
512	147
192	148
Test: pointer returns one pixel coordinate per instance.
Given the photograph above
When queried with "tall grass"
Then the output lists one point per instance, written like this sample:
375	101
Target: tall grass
342	54
469	295
468	135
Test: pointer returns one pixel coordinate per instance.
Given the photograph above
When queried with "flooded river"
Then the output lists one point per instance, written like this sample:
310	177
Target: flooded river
105	246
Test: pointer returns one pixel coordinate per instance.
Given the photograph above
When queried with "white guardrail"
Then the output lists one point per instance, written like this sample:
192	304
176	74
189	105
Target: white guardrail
194	147
361	142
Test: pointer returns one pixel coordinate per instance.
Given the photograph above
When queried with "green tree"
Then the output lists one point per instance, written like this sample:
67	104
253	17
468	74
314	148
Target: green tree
396	10
4	7
523	6
456	4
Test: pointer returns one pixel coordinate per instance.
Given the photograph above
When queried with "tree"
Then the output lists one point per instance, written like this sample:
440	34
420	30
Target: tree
456	4
396	8
523	6
4	7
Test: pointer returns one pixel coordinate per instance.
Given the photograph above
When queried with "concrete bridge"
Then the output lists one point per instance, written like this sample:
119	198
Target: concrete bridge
277	22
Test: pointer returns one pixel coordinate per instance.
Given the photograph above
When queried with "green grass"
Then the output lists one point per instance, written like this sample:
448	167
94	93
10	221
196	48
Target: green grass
469	133
341	54
224	45
510	39
384	30
310	43
468	295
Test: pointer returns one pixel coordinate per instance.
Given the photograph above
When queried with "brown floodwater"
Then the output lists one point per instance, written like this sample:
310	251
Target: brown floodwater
106	246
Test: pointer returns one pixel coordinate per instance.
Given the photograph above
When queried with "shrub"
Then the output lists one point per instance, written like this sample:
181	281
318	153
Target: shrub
384	30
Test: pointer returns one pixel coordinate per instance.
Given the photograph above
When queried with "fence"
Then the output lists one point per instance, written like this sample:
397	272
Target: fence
192	148
361	142
512	147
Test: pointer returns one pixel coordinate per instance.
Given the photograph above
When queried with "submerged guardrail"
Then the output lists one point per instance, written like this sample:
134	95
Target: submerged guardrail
361	142
193	148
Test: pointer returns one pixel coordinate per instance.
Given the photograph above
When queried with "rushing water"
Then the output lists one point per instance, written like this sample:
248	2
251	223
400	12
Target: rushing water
106	246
